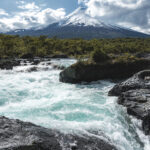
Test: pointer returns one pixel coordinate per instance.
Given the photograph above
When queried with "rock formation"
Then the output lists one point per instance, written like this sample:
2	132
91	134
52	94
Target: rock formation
134	94
84	71
18	135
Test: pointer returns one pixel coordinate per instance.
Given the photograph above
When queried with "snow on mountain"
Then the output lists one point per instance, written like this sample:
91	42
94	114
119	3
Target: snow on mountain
79	24
80	18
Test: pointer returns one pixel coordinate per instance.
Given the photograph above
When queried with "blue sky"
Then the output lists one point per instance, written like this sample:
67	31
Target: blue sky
69	5
25	14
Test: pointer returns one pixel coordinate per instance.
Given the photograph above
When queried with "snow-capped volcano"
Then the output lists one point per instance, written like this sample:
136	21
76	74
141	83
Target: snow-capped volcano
79	24
80	18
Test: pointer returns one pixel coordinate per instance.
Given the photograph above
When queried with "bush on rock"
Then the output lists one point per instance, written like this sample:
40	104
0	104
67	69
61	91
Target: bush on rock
99	56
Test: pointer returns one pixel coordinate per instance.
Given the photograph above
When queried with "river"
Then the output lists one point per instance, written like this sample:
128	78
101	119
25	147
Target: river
40	98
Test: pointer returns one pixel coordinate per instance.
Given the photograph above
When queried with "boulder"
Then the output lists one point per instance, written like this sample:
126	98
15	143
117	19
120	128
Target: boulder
84	71
36	61
137	103
8	64
138	81
146	124
27	56
18	135
134	94
32	69
58	67
59	56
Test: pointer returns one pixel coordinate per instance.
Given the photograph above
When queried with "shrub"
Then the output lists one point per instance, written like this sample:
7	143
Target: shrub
99	56
126	58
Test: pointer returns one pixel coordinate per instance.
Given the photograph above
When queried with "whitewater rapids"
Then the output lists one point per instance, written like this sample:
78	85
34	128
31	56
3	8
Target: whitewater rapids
40	98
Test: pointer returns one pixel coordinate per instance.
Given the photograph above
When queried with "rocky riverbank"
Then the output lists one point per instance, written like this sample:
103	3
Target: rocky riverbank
134	94
18	135
84	71
8	64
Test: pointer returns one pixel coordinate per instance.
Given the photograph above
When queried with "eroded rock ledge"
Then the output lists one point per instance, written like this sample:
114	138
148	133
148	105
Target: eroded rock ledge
34	63
134	94
18	135
84	71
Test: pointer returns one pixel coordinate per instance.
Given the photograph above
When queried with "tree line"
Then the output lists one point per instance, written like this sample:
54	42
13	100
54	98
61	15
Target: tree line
14	46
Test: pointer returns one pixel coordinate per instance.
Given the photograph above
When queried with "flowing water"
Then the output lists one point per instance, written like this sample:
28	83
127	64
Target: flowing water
40	98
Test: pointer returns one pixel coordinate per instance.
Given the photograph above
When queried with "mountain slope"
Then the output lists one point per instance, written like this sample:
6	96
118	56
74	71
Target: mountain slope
80	18
80	25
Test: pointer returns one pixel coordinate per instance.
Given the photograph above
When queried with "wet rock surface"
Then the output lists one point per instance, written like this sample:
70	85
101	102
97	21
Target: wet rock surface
18	135
134	94
59	56
140	80
88	72
36	64
9	64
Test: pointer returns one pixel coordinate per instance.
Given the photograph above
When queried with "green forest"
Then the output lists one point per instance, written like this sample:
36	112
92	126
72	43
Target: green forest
14	46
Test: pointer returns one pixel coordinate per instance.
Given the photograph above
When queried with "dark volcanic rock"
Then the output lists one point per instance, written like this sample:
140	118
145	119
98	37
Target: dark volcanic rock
36	61
8	64
27	56
134	94
146	124
83	71
138	81
36	64
59	56
138	105
58	67
136	101
32	69
18	135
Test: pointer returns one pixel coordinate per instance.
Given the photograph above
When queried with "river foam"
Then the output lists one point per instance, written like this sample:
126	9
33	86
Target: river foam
40	98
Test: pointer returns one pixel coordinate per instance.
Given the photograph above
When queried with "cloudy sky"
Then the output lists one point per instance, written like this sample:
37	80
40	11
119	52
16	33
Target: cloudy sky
24	14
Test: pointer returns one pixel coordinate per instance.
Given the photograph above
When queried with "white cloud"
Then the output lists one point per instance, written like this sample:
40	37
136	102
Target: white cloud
30	16
29	6
134	14
2	12
82	1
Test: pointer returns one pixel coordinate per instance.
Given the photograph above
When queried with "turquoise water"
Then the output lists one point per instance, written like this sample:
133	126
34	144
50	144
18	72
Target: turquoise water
40	98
